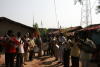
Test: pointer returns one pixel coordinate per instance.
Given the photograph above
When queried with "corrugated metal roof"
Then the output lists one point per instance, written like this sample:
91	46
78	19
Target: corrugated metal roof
91	27
72	29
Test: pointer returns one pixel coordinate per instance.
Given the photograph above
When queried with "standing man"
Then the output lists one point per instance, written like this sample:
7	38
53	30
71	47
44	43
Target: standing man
31	46
75	52
66	54
10	48
20	51
62	41
39	45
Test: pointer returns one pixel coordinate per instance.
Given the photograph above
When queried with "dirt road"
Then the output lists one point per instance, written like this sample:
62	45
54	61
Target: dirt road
44	61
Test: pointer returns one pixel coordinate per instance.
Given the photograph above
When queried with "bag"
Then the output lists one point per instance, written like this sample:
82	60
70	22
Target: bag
45	46
36	49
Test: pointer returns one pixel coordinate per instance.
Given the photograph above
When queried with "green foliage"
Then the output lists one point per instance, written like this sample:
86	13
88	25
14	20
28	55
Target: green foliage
43	31
98	7
36	27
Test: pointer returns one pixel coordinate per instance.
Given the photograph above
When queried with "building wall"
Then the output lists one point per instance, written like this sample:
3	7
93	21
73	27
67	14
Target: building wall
5	26
96	37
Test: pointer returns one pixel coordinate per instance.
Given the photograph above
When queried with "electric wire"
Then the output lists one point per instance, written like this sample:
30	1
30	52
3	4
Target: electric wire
56	13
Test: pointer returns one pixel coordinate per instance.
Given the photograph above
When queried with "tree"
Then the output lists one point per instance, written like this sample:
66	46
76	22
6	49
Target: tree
80	1
37	32
35	25
98	9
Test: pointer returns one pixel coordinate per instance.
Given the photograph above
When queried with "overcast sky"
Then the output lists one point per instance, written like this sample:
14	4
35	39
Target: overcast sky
23	12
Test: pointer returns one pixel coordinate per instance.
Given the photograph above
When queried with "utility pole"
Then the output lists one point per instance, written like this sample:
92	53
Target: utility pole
41	24
86	18
33	21
58	25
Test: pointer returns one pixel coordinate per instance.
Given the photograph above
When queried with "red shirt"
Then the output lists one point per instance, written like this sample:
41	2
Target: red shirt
11	48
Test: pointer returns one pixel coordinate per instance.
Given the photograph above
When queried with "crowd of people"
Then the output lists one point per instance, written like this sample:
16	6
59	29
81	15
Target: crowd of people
77	48
22	48
17	48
